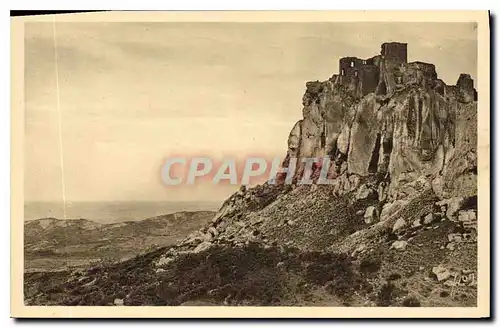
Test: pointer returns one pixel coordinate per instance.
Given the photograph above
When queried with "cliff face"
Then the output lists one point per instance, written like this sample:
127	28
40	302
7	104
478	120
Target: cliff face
410	124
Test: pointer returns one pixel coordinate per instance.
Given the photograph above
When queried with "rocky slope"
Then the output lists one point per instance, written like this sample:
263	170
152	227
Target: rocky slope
395	228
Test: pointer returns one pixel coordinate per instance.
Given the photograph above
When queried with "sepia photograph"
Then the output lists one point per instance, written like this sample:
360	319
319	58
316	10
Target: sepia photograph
237	164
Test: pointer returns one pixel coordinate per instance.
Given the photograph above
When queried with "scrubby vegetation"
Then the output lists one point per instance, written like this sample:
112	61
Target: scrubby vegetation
249	275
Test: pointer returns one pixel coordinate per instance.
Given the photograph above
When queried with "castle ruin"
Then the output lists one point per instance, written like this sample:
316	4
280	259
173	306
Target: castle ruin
389	71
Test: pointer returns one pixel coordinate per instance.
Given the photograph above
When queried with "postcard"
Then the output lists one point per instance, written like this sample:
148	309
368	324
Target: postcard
294	164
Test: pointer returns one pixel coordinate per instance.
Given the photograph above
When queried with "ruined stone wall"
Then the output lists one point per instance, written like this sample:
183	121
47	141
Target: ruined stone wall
375	60
465	82
348	66
395	52
360	76
465	85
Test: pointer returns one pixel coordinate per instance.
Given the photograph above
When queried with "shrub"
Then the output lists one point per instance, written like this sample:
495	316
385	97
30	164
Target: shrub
394	276
411	301
370	265
386	294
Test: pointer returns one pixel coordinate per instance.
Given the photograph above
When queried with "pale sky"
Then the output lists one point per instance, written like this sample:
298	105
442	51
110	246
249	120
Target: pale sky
132	94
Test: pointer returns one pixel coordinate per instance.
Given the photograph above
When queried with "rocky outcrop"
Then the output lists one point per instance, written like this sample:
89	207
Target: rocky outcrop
394	132
402	150
410	125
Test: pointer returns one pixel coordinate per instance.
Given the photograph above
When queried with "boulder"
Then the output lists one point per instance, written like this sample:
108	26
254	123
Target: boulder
455	237
429	218
365	192
360	212
400	224
202	247
164	260
118	301
467	216
441	272
399	245
370	215
452	206
207	237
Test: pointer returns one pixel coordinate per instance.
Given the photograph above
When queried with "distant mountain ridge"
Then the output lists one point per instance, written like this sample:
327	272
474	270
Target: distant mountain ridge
62	240
112	211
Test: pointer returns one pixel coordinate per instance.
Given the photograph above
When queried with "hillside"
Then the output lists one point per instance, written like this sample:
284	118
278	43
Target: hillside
395	227
51	243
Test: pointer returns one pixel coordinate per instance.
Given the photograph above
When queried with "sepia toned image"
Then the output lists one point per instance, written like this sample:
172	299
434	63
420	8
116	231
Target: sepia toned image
251	165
